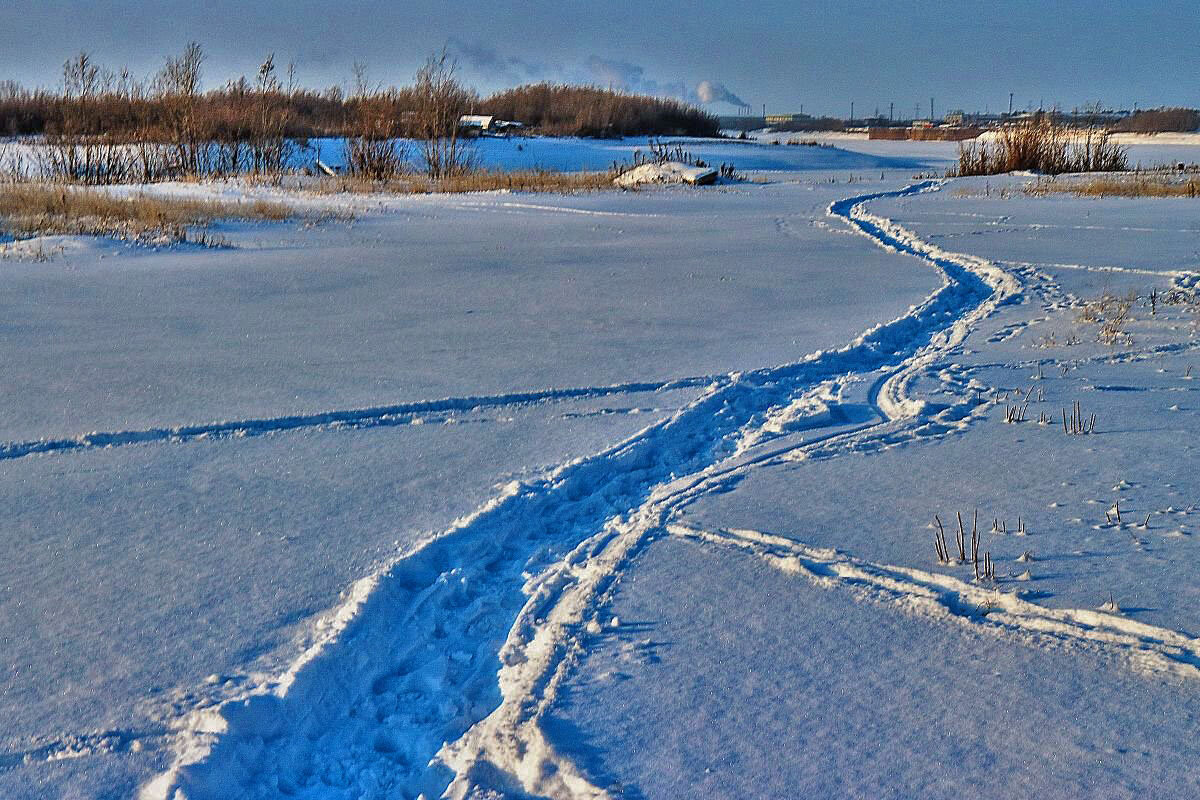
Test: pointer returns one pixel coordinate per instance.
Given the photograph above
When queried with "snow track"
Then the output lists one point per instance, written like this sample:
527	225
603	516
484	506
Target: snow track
434	674
353	419
1145	648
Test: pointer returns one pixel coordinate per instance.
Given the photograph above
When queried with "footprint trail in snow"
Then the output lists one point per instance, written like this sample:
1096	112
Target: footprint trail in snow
434	674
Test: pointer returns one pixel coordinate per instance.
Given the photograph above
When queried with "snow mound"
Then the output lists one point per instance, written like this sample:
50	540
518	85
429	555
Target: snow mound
667	172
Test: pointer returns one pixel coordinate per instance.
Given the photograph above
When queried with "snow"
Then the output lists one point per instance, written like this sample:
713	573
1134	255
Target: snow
249	400
666	173
825	691
607	495
1166	138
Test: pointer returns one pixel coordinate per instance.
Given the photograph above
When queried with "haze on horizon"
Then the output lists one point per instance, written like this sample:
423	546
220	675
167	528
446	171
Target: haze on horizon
823	55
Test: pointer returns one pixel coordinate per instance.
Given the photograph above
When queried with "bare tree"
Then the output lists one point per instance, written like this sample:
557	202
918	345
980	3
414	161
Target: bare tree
440	101
269	147
178	86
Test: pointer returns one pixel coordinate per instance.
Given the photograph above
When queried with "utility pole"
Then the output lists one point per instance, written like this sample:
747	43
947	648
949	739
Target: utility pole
891	111
852	111
1010	97
931	109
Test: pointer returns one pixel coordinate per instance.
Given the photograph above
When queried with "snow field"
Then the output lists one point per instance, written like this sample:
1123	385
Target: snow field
189	528
652	474
732	674
506	642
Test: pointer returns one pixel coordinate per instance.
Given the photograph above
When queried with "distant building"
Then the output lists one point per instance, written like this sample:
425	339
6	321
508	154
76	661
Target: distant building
486	124
476	122
784	119
954	118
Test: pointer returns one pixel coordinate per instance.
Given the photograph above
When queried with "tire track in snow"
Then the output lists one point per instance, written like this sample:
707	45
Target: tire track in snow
400	693
353	419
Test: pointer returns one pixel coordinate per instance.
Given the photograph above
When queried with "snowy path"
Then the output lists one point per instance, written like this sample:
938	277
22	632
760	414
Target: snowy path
1145	648
408	662
352	419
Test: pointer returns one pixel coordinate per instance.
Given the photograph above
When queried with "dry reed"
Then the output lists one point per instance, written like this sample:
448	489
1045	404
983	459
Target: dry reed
1039	145
1119	186
33	209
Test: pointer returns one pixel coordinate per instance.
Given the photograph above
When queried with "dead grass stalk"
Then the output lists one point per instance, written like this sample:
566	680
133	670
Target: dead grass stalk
36	209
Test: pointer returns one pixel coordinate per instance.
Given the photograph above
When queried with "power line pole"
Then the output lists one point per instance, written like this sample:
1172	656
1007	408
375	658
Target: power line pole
891	111
1010	97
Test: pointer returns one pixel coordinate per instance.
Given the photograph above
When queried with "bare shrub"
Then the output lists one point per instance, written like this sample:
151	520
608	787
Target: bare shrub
440	101
375	152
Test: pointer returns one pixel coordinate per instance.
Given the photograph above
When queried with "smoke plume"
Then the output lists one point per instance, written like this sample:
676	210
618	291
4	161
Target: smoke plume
713	92
502	68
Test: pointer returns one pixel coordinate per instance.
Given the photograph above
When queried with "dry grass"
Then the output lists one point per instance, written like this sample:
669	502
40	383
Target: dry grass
33	209
1112	315
985	569
1040	145
476	181
1117	186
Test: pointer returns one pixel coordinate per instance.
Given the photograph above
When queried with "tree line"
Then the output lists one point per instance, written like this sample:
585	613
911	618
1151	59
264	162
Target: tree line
103	126
1160	120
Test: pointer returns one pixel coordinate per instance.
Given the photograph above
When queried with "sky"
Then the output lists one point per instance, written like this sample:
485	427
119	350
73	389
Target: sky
784	54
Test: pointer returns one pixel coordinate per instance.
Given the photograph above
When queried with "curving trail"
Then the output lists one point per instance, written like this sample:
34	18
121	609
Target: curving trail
434	674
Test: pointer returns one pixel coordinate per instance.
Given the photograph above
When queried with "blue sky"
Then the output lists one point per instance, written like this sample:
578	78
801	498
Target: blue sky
820	54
